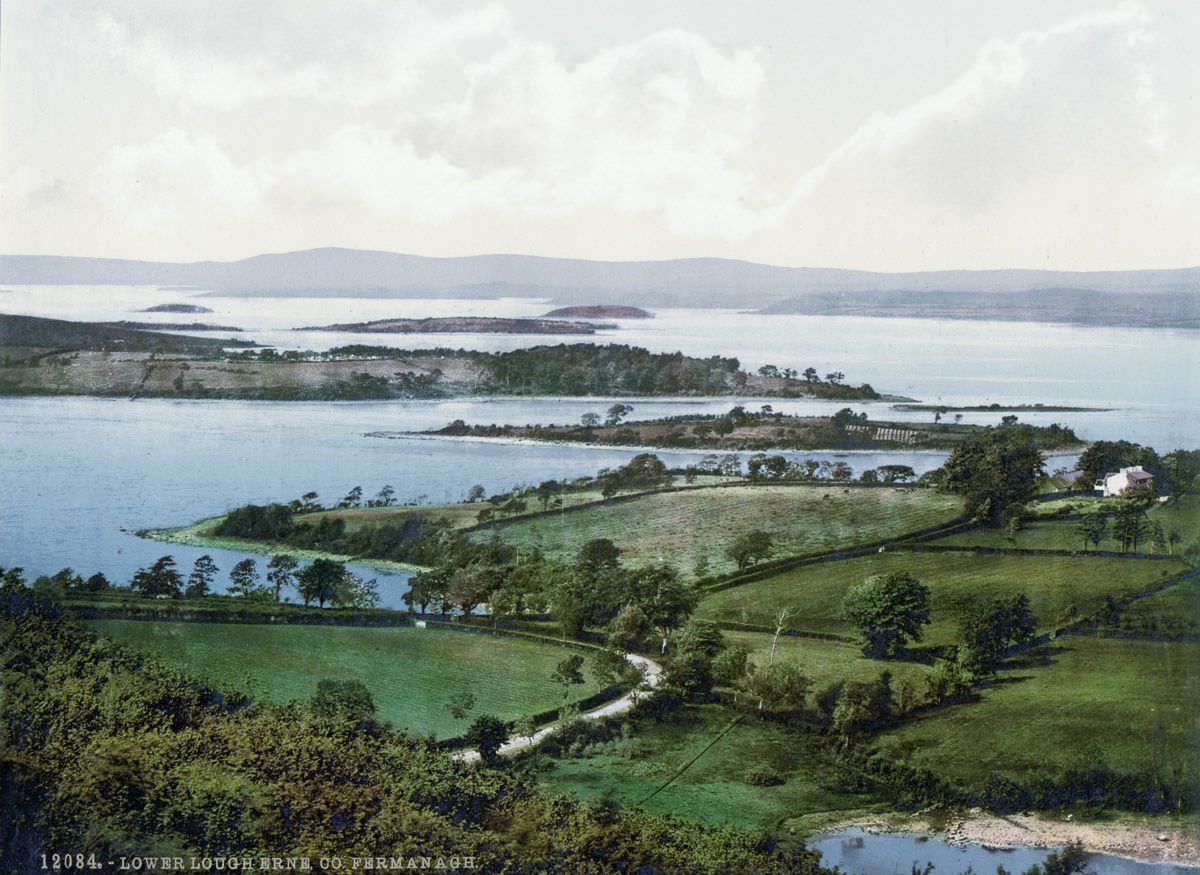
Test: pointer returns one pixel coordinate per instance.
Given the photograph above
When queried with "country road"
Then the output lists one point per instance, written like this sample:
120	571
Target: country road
653	674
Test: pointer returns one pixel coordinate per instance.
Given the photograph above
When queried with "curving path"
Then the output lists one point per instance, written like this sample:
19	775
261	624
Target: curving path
653	674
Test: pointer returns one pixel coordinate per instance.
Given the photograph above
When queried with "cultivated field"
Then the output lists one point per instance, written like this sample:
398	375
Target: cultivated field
1131	706
411	673
683	527
1058	587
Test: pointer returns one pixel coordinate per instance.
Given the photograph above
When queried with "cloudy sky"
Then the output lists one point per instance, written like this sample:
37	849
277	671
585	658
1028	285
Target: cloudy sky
935	134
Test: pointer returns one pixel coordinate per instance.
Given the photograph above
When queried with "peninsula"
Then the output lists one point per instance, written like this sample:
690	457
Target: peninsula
53	357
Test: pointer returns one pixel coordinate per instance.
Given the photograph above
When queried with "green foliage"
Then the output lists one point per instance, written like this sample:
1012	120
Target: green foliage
994	471
119	756
889	610
780	687
761	775
994	626
320	581
200	581
343	700
486	734
750	548
160	579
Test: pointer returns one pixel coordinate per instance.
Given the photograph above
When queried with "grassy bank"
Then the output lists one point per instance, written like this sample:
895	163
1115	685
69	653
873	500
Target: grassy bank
1088	703
709	782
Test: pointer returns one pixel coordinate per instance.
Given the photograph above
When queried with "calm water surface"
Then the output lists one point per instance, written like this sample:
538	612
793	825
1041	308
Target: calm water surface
861	853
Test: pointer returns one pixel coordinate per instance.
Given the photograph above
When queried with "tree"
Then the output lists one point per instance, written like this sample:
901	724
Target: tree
889	610
476	493
590	420
665	599
750	548
160	579
568	673
384	498
281	573
628	629
353	498
319	581
779	688
487	734
835	376
863	706
12	579
1130	524
204	572
617	413
810	375
96	583
1103	457
1093	527
353	591
343	700
244	579
598	554
994	471
991	628
897	473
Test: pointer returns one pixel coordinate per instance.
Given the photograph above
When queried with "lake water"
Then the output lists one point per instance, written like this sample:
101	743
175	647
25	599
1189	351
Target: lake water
860	853
81	474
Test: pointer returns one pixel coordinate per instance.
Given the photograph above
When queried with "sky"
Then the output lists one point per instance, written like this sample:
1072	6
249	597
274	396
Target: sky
933	135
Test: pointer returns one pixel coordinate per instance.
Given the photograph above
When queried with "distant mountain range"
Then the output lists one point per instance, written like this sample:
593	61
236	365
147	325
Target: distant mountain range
1161	298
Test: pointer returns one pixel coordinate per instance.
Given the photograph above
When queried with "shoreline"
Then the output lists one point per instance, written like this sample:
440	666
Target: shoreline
1175	842
191	536
638	448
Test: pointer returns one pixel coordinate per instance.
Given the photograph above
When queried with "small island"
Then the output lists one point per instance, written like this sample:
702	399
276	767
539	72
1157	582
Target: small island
1001	408
176	308
463	325
753	430
171	326
599	311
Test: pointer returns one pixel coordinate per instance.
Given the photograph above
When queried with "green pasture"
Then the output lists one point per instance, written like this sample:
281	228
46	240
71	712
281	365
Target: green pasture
1176	609
713	789
683	527
828	662
1058	587
411	673
1059	534
1130	706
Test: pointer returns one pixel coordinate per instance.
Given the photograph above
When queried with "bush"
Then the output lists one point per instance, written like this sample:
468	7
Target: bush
763	776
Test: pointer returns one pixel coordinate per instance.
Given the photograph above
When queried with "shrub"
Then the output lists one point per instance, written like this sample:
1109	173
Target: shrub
763	776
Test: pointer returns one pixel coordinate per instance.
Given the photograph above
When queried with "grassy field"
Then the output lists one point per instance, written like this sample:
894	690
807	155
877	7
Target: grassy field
956	580
713	789
1177	607
411	673
1132	706
1183	518
828	662
682	527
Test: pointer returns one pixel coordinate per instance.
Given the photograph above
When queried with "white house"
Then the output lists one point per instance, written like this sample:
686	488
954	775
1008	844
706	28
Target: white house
1120	482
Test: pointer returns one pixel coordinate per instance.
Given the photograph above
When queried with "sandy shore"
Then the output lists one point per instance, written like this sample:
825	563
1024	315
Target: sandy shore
1170	840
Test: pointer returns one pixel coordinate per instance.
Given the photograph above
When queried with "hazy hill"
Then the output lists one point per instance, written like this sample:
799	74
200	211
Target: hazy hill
698	282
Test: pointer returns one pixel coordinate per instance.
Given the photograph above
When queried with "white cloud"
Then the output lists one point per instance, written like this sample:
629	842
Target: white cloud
295	125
